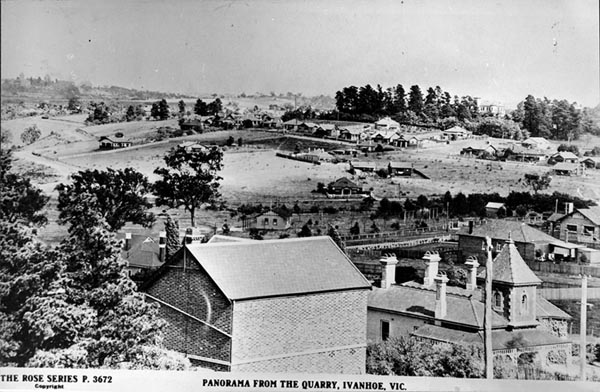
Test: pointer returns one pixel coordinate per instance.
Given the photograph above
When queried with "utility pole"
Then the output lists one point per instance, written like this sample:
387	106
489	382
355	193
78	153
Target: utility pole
487	320
583	328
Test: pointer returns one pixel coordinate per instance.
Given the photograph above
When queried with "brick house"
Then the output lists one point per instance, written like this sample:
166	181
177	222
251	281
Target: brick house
292	305
532	243
522	321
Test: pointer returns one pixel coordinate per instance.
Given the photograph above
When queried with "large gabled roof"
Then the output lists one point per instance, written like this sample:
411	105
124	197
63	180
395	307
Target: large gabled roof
591	213
502	229
344	182
509	267
271	268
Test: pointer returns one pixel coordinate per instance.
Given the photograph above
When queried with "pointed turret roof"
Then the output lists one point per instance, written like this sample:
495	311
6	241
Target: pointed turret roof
509	267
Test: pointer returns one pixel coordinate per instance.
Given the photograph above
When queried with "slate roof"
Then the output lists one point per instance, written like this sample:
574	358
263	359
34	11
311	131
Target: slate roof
420	302
143	252
257	269
500	229
501	339
509	267
546	309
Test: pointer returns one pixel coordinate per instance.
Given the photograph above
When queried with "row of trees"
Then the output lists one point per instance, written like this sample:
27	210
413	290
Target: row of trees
413	106
554	119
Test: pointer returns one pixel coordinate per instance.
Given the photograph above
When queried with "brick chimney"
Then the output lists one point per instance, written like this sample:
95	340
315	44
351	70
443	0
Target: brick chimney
473	264
432	260
127	241
191	236
162	246
441	306
388	271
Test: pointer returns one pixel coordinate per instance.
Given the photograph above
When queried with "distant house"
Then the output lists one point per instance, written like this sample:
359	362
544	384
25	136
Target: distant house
307	127
193	146
522	154
352	133
107	143
563	157
456	133
143	252
592	162
270	221
292	125
269	121
326	130
487	151
531	242
492	208
273	306
582	225
537	143
387	123
363	166
343	186
400	169
568	169
490	108
385	136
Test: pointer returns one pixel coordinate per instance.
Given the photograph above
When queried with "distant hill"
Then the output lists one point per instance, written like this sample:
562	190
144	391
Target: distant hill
40	89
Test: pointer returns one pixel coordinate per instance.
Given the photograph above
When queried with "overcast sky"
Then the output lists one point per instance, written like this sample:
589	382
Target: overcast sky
497	50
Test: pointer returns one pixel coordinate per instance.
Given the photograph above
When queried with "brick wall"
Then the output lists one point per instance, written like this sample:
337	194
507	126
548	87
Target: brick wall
307	333
191	291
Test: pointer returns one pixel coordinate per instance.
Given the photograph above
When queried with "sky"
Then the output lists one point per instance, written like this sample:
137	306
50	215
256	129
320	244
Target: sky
497	50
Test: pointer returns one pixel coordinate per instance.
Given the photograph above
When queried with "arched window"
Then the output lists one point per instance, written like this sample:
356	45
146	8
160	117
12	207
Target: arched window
524	303
497	299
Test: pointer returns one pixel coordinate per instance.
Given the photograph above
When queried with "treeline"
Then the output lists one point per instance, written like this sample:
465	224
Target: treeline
461	205
559	120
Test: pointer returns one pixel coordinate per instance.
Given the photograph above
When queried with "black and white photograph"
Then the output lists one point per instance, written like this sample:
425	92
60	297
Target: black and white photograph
300	195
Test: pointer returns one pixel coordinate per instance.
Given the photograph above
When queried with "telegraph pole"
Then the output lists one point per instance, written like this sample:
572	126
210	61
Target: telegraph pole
487	321
583	328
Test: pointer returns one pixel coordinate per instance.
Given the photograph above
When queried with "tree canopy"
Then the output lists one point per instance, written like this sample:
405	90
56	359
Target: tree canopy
190	178
111	196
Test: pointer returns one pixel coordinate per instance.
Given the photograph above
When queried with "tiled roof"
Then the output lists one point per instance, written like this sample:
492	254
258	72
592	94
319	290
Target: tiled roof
245	270
509	267
420	302
501	339
500	229
591	213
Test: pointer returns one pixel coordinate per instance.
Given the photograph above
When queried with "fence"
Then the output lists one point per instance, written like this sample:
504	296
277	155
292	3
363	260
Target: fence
569	293
565	268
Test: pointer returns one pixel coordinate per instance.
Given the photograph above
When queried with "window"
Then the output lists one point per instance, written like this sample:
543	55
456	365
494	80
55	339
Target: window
588	230
274	221
572	228
498	247
524	303
497	299
266	221
385	329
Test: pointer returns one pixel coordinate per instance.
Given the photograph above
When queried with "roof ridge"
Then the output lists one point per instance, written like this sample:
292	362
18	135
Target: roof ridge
477	320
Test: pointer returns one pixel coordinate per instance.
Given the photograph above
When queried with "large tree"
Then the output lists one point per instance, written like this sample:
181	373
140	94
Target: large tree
19	200
113	196
415	100
190	179
31	134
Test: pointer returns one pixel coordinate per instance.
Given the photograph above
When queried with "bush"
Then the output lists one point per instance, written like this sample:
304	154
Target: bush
330	210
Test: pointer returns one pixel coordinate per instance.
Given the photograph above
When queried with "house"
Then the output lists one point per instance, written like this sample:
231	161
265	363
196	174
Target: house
326	130
352	133
307	127
192	146
568	169
581	225
363	166
387	123
400	169
290	305
143	252
532	243
490	108
563	157
537	143
291	125
385	136
107	143
343	186
522	154
456	133
522	321
492	208
269	220
480	152
592	162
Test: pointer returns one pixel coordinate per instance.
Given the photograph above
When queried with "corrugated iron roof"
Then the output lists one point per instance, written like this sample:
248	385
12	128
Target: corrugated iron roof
245	270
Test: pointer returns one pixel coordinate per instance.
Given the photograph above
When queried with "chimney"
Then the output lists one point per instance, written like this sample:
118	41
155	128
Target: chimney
127	241
388	271
432	260
162	246
471	227
473	264
440	296
568	208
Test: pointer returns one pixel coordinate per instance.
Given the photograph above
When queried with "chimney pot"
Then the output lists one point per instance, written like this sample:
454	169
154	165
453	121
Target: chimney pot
441	306
432	260
473	264
127	241
388	271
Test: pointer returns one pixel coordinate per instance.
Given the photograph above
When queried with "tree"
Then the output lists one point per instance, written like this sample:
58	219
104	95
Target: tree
335	236
130	114
112	196
190	179
173	243
230	141
200	108
181	107
415	100
537	182
19	200
31	134
355	230
305	231
74	104
215	107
